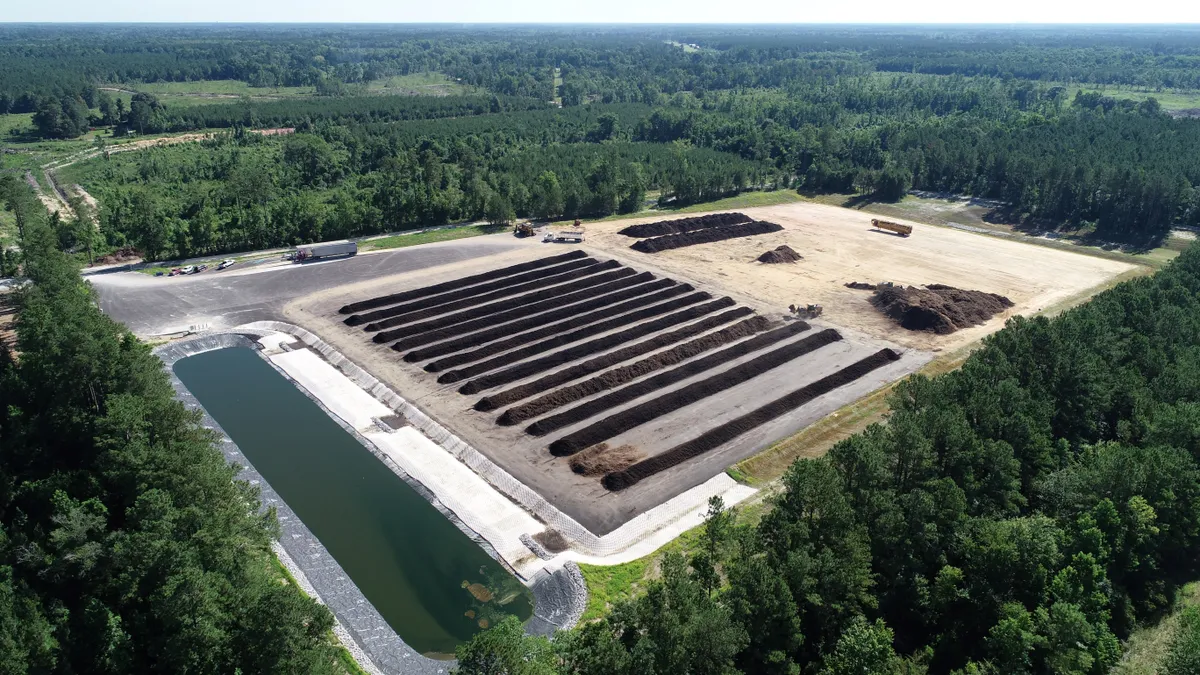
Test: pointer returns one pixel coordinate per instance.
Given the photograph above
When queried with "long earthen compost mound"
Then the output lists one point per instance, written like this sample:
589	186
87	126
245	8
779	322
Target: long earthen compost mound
484	317
599	460
937	308
600	363
523	370
650	385
640	414
861	286
782	254
494	290
394	298
498	346
633	333
706	236
624	478
472	330
483	308
681	225
619	376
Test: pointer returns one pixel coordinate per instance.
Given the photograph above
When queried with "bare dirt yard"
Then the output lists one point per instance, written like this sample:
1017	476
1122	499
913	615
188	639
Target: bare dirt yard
840	246
837	245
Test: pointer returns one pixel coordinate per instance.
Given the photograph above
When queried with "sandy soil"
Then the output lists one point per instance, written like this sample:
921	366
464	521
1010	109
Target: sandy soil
839	245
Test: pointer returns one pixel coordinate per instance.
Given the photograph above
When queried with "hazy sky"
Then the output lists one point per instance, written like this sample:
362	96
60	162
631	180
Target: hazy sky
611	11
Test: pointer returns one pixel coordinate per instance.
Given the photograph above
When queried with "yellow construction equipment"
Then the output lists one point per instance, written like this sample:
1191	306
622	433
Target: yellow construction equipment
523	230
902	230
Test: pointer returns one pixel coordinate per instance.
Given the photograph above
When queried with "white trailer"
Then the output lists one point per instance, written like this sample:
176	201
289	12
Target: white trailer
570	235
327	249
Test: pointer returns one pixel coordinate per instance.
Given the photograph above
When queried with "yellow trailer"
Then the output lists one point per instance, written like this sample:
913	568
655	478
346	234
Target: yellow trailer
902	230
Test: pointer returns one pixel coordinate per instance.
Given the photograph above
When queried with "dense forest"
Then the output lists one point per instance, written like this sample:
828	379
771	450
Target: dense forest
125	543
877	111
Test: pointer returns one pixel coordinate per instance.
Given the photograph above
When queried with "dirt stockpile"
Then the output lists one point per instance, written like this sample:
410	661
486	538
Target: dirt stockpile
782	254
681	225
483	307
489	403
619	376
650	385
633	333
601	459
524	338
861	286
937	308
448	302
458	283
499	312
533	321
640	414
522	370
705	236
621	479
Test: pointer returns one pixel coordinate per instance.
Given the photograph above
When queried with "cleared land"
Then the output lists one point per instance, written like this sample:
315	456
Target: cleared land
709	372
839	246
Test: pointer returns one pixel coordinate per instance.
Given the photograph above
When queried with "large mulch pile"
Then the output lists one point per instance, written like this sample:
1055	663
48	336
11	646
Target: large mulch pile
783	254
937	308
599	460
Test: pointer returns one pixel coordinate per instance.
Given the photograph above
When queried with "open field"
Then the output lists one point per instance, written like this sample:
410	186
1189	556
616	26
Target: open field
422	84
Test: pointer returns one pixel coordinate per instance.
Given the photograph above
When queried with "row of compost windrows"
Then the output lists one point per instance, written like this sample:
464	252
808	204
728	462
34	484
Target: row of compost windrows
575	339
645	327
395	298
705	236
681	225
624	478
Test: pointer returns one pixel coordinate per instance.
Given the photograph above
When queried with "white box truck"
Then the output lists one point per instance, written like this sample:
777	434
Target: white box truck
328	249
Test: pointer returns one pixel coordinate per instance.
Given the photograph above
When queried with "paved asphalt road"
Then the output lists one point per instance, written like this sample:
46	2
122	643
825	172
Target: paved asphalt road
156	305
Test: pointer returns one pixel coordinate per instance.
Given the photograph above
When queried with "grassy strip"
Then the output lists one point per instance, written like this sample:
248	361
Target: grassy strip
346	660
1147	649
430	237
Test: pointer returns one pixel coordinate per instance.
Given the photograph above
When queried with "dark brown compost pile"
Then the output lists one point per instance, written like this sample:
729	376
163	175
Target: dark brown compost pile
706	236
937	308
658	229
783	254
861	286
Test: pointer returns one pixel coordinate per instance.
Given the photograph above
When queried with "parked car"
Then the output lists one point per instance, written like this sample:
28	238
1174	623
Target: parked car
175	271
226	263
190	269
201	268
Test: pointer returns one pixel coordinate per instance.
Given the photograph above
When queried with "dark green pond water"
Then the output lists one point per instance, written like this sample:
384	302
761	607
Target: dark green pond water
409	561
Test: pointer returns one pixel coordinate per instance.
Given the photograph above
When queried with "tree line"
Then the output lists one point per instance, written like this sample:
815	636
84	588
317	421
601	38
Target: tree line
126	544
1023	514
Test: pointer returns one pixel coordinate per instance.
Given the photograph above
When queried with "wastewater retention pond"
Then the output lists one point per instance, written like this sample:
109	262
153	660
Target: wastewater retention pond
429	581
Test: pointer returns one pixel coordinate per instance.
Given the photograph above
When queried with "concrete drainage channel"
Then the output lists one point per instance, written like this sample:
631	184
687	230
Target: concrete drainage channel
558	591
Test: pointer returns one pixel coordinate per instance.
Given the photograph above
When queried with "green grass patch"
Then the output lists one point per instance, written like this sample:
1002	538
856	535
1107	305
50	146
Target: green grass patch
430	236
425	84
19	122
1146	650
214	88
610	584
